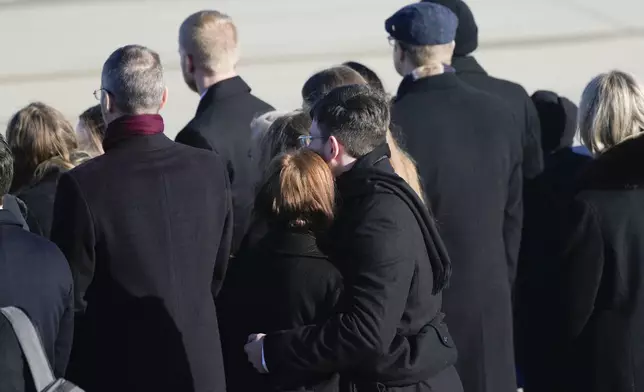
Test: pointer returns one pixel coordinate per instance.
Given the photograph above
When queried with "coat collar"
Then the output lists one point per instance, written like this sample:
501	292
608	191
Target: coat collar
222	90
352	183
7	218
133	130
467	65
292	243
444	81
620	167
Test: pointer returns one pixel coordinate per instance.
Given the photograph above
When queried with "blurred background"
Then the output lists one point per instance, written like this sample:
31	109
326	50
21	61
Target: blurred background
53	50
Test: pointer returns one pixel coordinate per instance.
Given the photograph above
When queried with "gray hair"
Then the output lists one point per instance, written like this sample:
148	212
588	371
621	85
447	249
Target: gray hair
133	76
611	111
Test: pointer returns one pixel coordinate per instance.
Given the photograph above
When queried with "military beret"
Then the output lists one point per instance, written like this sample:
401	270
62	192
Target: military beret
423	24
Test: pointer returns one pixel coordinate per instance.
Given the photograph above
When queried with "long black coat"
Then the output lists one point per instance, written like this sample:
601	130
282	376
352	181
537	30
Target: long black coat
146	230
388	326
601	300
222	124
468	152
39	198
469	71
283	282
35	277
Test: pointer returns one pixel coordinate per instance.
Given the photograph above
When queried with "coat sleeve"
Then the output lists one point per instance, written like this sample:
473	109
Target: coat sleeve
223	254
65	337
365	323
191	137
583	265
532	151
513	221
73	232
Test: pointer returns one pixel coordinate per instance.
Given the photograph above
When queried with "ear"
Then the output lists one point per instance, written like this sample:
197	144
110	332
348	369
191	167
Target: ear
109	103
164	98
190	63
335	148
401	53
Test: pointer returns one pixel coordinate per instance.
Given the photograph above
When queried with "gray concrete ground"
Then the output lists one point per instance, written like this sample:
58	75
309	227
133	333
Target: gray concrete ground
54	49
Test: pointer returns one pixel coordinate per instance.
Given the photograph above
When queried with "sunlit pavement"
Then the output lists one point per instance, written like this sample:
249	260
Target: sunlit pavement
53	50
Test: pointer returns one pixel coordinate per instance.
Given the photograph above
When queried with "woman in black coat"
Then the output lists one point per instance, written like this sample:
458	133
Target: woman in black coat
284	280
44	146
602	302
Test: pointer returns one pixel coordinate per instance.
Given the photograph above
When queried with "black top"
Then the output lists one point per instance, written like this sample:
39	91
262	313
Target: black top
35	276
222	124
283	282
39	198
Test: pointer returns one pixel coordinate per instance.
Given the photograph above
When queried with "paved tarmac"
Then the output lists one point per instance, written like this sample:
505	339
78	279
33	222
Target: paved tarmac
54	49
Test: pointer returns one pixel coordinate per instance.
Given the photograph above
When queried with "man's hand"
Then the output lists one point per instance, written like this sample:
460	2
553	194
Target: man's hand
255	350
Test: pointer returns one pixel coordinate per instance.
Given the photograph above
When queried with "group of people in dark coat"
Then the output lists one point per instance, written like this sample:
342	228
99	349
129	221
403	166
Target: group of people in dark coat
447	239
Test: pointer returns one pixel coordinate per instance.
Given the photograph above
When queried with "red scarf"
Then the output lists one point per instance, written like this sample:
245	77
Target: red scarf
126	126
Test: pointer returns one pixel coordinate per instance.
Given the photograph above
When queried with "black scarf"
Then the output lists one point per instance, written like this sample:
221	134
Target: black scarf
365	177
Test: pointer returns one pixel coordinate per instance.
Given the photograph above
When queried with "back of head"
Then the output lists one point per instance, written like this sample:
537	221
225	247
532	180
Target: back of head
282	136
558	118
6	167
356	115
367	74
467	33
318	85
93	128
37	134
210	38
133	77
611	111
297	192
261	123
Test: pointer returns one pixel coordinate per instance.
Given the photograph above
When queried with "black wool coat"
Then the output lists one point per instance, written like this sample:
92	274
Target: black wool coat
601	302
468	152
39	198
146	229
222	124
471	72
283	282
35	277
387	331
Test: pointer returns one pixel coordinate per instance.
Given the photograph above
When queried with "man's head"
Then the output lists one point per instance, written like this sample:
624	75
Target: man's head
467	34
320	83
6	168
422	34
207	46
348	123
132	83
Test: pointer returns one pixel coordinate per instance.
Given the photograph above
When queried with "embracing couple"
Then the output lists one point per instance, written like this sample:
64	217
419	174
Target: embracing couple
344	292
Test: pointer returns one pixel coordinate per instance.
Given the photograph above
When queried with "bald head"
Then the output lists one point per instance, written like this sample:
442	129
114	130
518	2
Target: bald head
209	38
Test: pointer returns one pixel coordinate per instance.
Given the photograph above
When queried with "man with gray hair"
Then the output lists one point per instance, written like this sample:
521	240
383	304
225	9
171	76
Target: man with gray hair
147	229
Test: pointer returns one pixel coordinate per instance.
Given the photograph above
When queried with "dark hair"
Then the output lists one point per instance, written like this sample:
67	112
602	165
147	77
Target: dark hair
92	119
367	73
297	192
282	136
6	167
326	80
357	115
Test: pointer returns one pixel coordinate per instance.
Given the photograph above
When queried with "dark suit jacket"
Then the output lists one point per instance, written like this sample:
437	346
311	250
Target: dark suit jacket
146	230
468	149
519	103
222	124
35	277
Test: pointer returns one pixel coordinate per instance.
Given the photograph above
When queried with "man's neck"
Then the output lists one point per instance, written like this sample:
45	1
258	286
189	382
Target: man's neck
206	81
346	165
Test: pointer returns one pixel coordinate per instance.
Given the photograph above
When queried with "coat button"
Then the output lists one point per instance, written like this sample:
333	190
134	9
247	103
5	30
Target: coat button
446	339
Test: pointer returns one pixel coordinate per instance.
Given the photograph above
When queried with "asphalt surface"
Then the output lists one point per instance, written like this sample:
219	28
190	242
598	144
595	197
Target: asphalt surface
54	49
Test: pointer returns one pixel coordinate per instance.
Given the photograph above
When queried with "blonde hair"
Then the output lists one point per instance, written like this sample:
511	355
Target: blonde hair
404	166
92	120
297	192
260	124
40	138
427	54
210	37
281	136
611	111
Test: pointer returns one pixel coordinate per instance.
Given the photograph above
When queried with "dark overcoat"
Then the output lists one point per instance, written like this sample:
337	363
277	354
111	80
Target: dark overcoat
35	277
468	152
222	124
39	198
146	229
601	301
472	73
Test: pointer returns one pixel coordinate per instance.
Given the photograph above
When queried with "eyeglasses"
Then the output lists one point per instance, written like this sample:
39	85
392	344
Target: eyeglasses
97	93
391	40
305	140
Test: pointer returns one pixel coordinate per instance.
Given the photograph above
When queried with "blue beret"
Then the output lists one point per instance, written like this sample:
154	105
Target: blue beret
423	24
